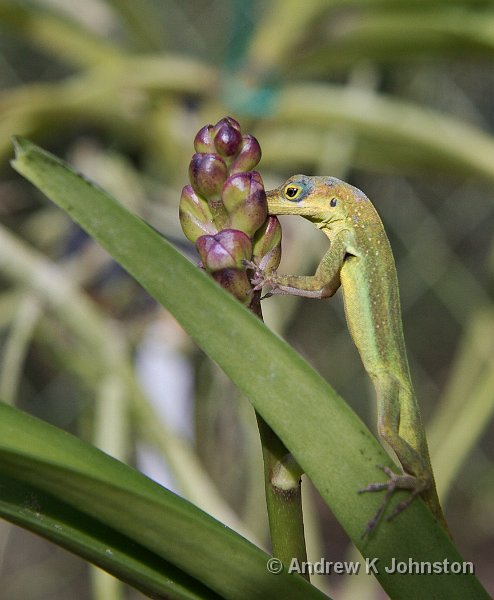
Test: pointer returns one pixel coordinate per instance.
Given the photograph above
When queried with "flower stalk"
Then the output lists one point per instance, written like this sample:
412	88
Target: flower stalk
224	213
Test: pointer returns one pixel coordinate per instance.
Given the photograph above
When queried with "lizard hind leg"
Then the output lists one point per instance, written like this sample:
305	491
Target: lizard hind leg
416	476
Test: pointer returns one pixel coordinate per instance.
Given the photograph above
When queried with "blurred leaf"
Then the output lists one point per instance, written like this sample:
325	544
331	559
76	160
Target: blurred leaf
142	21
441	140
52	32
99	95
403	31
458	425
16	346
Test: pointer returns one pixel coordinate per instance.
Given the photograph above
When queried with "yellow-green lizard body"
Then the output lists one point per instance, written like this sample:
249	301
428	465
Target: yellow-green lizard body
361	261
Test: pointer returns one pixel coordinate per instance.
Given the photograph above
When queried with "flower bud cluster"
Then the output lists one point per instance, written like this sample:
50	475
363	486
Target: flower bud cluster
224	209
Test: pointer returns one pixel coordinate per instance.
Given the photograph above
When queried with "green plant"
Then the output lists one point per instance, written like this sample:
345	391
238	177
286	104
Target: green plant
393	97
325	437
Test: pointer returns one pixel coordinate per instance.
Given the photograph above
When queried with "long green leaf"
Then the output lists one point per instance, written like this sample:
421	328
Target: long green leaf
328	440
183	544
27	506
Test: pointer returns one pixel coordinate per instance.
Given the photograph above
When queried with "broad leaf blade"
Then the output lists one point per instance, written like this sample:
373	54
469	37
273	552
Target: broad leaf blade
180	536
26	505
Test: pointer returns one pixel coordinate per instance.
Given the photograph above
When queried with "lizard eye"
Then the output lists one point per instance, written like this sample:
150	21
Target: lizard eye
333	202
292	191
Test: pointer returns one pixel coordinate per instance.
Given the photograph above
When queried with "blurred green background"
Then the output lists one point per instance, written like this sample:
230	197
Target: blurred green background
394	96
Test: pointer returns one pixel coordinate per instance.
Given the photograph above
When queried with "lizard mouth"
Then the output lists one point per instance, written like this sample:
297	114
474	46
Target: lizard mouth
277	205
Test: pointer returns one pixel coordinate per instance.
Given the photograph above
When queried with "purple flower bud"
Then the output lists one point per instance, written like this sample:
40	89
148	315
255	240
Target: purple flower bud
266	250
207	173
224	210
228	121
236	282
203	142
245	201
227	137
225	250
249	156
195	216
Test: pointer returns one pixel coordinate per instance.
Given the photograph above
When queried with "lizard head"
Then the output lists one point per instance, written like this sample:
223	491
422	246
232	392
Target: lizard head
322	200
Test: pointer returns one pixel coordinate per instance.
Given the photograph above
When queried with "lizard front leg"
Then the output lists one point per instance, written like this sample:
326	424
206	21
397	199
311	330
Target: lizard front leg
323	284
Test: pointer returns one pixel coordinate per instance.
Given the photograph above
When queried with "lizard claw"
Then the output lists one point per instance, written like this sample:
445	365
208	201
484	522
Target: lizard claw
396	481
249	265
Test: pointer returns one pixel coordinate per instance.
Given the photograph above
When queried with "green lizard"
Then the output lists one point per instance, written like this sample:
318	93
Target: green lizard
361	261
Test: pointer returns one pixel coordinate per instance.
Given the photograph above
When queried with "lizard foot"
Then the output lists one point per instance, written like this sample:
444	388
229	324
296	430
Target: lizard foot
260	278
396	481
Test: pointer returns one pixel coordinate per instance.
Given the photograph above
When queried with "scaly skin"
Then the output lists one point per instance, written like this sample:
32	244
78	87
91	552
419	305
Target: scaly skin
361	261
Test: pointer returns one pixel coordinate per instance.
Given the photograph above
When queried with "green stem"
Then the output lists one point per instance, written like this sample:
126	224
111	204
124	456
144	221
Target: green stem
283	498
282	482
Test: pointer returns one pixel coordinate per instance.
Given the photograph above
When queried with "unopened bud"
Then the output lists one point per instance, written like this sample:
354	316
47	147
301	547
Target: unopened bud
267	245
227	137
250	155
245	201
236	282
195	216
227	121
225	250
207	173
203	142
